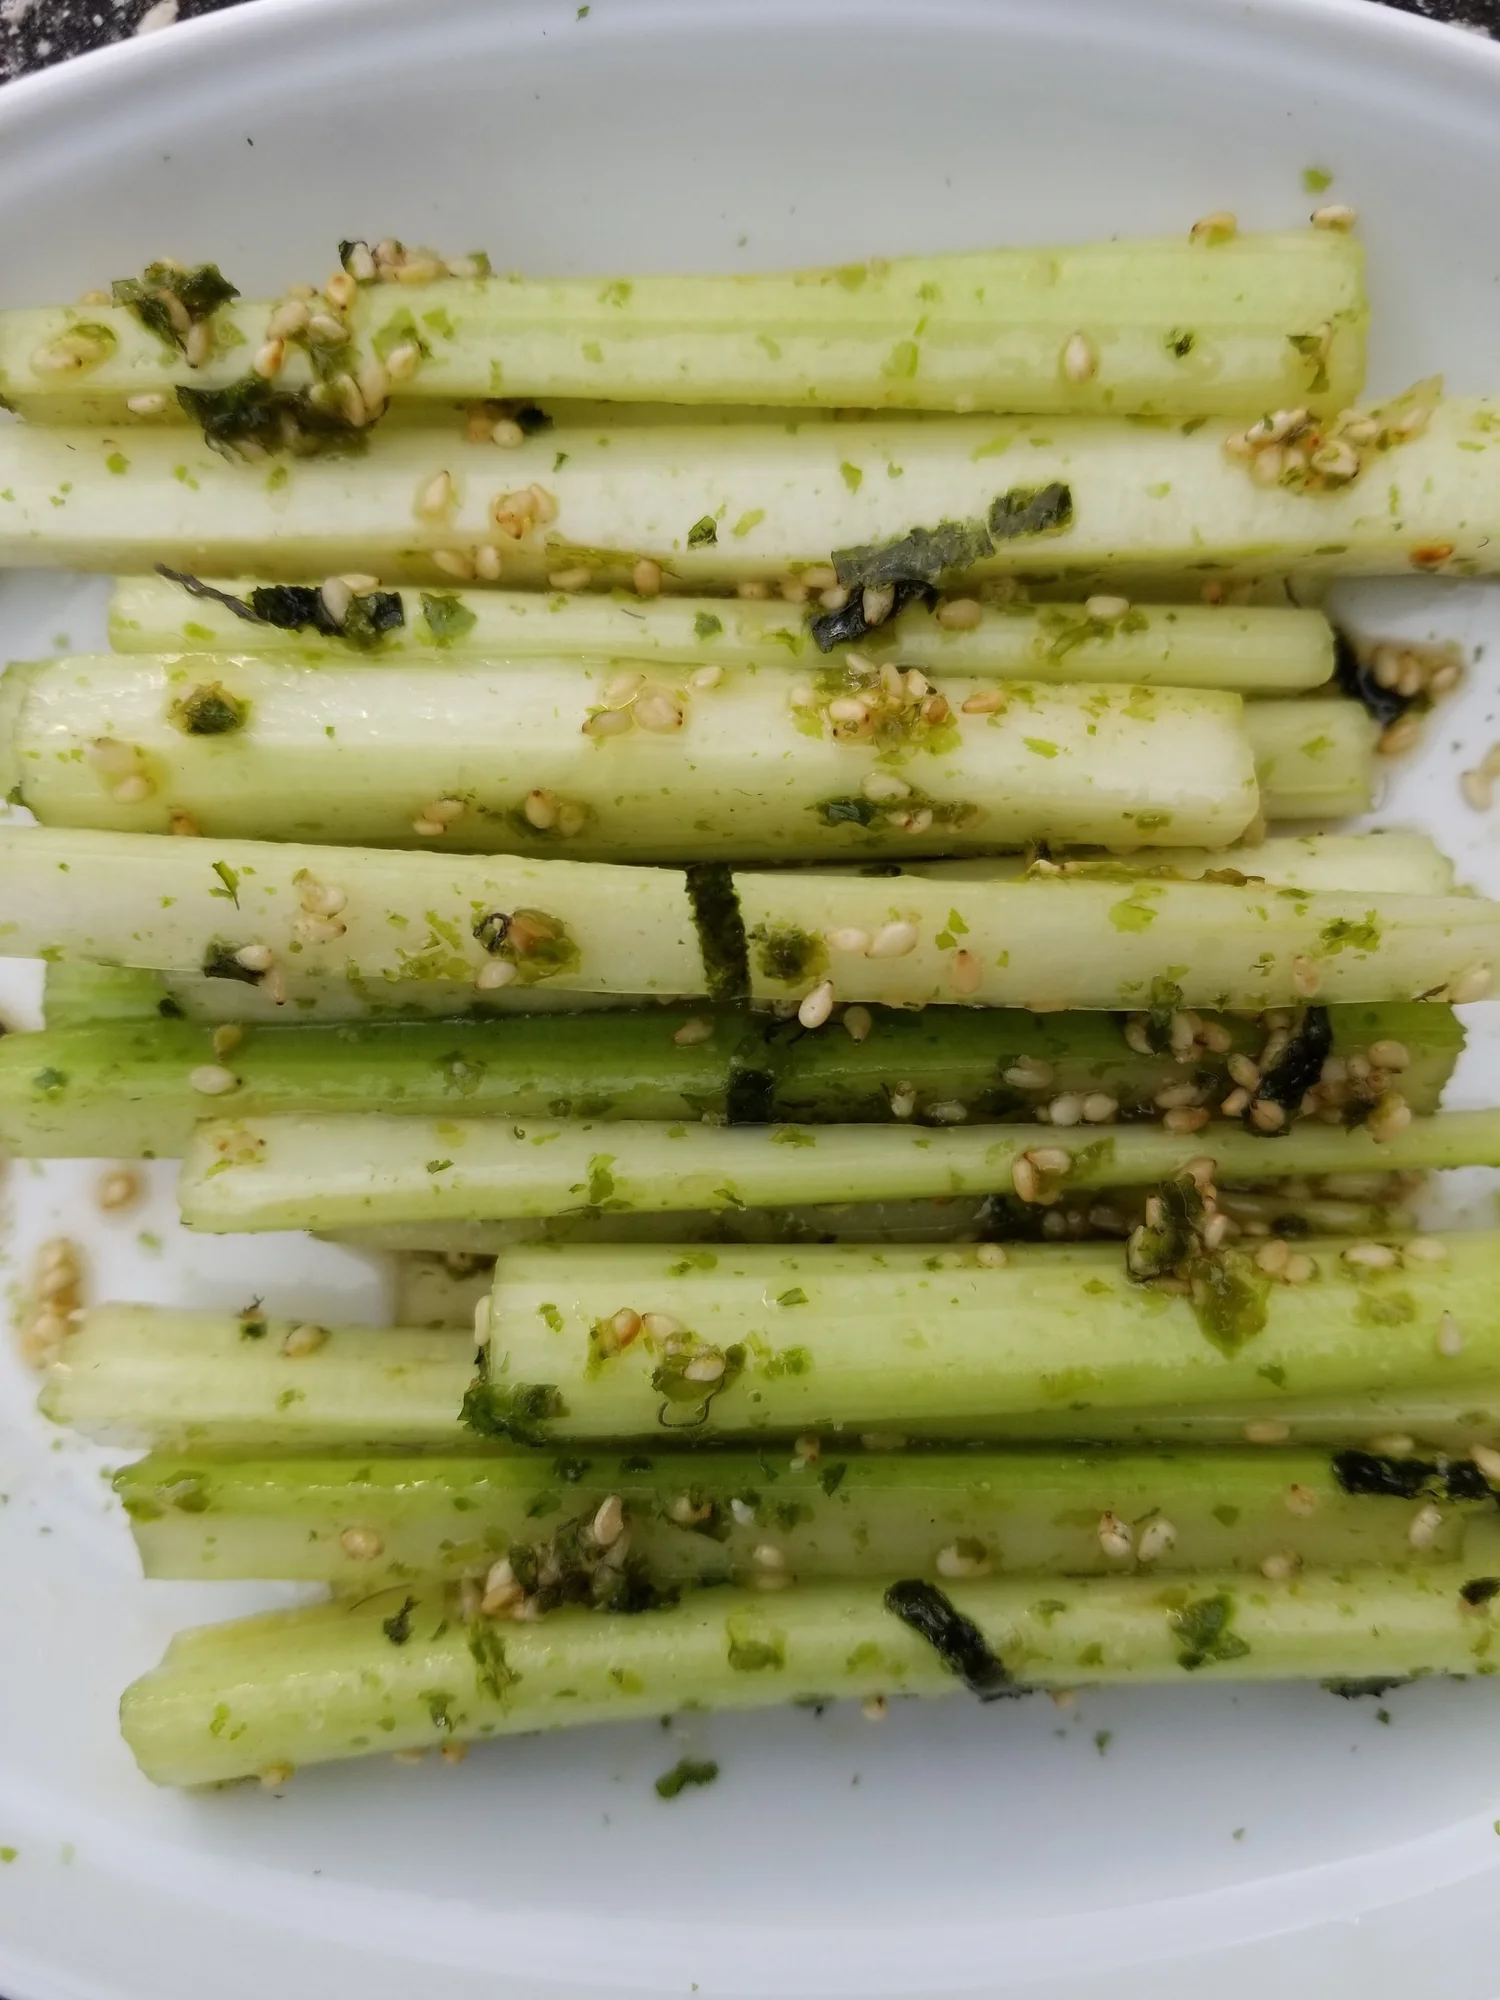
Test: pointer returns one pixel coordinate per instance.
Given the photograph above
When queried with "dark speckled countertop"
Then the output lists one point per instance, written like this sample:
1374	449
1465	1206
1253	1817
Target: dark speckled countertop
34	33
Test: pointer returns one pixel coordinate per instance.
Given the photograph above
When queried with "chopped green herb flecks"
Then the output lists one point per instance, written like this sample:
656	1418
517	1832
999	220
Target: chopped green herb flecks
687	1770
1203	1631
209	710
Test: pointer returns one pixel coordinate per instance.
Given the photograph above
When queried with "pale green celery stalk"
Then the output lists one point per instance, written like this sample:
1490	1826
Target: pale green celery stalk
361	1169
79	993
948	1219
1395	862
704	1518
333	918
440	1291
124	1088
1089	495
1252	651
1061	941
1174	328
1315	759
155	1375
786	1341
264	1695
248	747
186	1381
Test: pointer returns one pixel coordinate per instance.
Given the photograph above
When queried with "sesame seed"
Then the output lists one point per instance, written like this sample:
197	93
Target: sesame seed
766	1555
1156	1538
1333	215
1080	359
808	1448
1217	227
1471	985
455	563
645	578
1051	1159
1400	735
269	358
1267	1116
119	1188
609	1522
948	1111
1267	1430
1278	1567
988	701
337	598
873	1708
403	361
539	809
793	591
493	974
848	938
150	405
1244	1072
705	1367
885	785
132	790
960	614
903	1100
877	601
817	1005
1301	1500
1115	1537
1235	1103
1306	978
1099	1108
956	1562
1424	1250
1214	1231
694	1031
1393	1444
1109	609
1391	1116
1025	1180
858	1022
227	1037
1371	1256
361	1544
1066	1109
1426	1524
274	1776
991	1256
576	578
1272	1257
1299	1268
212	1080
507	433
453	1753
303	1340
660	1325
1030	1073
1450	1338
820	576
893	940
742	1511
1185	1119
1488	1461
752	590
965	973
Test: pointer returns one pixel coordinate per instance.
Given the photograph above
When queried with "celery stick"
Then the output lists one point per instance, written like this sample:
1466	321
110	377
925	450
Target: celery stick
264	1695
153	1375
254	748
1394	861
332	917
1315	759
1093	495
443	1291
1062	941
1254	651
185	1381
787	1341
1173	328
344	1170
703	1518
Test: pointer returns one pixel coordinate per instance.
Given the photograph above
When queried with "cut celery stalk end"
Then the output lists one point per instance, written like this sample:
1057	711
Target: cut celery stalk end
1315	759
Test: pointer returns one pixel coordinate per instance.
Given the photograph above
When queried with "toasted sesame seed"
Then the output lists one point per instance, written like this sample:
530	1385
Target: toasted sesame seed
848	938
1488	1461
456	563
119	1188
361	1544
885	785
766	1555
1108	609
858	1022
990	1256
817	1005
212	1080
493	974
1400	735
274	1776
1186	1119
1065	1109
705	1367
960	614
1306	978
1450	1337
698	1029
1244	1072
1115	1537
1272	1257
1371	1256
609	1521
957	1562
1299	1268
1267	1430
660	1325
877	602
1391	1116
1217	227
1281	1565
1099	1108
1301	1500
1156	1538
152	404
132	790
507	433
965	973
1426	1524
269	358
873	1708
1333	215
337	598
1030	1073
1215	1230
609	722
752	590
403	361
1080	359
575	578
303	1340
1471	985
1267	1116
227	1037
893	940
948	1111
659	712
1025	1180
1424	1250
903	1100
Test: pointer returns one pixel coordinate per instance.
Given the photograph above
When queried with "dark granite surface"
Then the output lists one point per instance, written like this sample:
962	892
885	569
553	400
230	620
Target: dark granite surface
34	33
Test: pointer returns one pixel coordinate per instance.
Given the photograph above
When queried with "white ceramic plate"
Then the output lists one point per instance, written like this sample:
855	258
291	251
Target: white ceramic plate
1210	1842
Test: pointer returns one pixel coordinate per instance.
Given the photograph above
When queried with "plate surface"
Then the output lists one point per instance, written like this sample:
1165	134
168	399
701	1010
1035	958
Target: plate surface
1146	1843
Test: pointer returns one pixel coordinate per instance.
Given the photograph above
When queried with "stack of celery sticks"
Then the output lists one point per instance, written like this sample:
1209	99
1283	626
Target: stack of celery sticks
754	834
